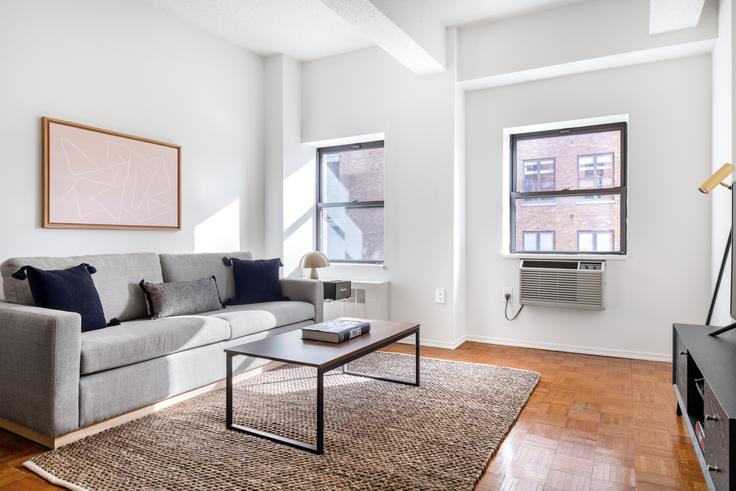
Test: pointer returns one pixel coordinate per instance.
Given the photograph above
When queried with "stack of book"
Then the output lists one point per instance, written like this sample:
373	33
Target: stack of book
336	331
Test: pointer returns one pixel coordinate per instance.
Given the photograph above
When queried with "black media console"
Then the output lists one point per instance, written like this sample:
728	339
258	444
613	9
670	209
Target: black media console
704	378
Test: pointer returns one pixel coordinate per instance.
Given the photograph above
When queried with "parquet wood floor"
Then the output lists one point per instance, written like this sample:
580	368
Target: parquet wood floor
593	423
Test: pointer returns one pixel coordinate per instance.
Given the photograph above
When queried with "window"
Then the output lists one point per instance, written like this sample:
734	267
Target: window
539	175
595	171
539	241
595	240
579	175
350	202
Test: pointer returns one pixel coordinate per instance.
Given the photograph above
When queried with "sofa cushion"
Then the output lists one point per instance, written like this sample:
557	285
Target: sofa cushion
116	280
256	281
141	340
191	267
181	297
256	317
70	290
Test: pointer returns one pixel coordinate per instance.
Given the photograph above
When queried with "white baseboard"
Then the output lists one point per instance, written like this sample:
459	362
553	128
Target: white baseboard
434	343
567	348
572	348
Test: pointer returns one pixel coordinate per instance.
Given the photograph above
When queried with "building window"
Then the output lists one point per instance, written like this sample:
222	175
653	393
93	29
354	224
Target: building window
595	240
539	175
579	174
595	171
539	241
350	202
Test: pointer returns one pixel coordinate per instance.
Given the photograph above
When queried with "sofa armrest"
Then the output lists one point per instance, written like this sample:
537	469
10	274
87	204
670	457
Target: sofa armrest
304	290
39	361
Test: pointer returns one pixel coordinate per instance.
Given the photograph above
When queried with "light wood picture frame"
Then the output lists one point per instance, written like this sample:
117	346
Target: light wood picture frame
100	179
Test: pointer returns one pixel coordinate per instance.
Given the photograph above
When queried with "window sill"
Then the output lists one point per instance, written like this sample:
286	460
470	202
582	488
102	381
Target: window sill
339	264
572	257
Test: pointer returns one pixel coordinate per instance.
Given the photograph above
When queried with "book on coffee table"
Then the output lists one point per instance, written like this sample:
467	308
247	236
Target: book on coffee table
336	331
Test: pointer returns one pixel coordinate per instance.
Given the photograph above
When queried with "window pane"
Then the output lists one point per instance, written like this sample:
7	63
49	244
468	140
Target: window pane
580	160
352	175
585	241
530	241
352	233
596	171
538	175
604	242
564	217
546	241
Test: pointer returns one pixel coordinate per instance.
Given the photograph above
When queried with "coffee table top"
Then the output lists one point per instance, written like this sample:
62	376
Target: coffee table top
291	348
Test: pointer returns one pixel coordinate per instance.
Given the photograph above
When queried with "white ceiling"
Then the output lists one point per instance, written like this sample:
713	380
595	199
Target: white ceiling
303	29
307	29
459	12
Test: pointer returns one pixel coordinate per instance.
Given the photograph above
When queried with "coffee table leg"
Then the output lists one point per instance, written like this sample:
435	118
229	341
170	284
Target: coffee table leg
390	379
320	412
318	448
416	355
229	390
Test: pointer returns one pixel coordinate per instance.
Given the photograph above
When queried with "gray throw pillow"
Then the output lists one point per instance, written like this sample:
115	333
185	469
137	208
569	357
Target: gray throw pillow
181	298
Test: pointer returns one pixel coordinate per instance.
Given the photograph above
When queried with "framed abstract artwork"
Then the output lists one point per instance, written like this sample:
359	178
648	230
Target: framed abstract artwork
94	178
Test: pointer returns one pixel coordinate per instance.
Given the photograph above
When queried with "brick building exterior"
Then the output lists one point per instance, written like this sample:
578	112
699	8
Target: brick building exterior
569	223
348	176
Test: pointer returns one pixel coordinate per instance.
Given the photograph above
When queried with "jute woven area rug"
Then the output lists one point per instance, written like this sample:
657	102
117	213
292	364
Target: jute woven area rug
378	435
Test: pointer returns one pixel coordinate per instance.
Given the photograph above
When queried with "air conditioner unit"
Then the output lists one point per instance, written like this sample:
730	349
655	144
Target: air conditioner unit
563	283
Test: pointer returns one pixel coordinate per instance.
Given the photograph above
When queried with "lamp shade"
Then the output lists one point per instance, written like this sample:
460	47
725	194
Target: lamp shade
314	260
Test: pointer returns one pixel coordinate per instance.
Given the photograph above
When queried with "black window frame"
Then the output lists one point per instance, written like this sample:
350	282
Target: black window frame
347	204
595	238
554	238
621	189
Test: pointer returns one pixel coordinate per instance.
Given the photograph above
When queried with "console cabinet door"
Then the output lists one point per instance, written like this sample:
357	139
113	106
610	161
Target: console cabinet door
716	441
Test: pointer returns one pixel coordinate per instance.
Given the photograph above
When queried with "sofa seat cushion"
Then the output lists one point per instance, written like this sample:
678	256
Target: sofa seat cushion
136	341
257	317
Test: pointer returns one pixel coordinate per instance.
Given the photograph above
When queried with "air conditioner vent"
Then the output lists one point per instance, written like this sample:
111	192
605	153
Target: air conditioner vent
557	283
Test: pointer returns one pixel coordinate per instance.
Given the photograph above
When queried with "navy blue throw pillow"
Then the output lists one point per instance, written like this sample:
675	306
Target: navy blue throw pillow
70	290
255	281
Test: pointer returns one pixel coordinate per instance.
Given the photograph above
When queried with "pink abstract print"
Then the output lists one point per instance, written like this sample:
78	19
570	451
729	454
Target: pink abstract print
100	179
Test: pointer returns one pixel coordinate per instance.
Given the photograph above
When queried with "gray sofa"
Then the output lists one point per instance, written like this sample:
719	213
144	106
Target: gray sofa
54	379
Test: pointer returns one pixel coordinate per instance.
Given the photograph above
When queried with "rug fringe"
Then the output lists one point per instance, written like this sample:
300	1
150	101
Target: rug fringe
463	362
50	477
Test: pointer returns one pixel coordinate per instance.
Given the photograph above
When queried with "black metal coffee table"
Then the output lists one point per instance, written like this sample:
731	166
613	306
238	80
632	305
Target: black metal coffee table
290	348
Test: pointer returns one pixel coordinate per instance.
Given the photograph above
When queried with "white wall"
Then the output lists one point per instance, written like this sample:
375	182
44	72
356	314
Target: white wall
665	277
290	168
368	92
129	67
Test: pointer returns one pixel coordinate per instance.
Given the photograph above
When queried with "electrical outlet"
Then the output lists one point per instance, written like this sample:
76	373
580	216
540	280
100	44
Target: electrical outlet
439	295
507	290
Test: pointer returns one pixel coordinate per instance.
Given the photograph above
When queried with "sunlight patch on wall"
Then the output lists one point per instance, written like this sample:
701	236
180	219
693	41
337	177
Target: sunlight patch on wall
298	214
300	241
220	232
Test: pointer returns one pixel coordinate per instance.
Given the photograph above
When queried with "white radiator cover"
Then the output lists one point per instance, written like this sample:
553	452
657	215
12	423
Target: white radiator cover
368	300
563	283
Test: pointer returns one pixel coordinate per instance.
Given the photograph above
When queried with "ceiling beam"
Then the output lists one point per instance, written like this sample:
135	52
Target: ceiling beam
673	15
398	28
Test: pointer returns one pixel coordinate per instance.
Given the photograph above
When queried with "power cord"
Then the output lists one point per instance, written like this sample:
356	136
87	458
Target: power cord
506	309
